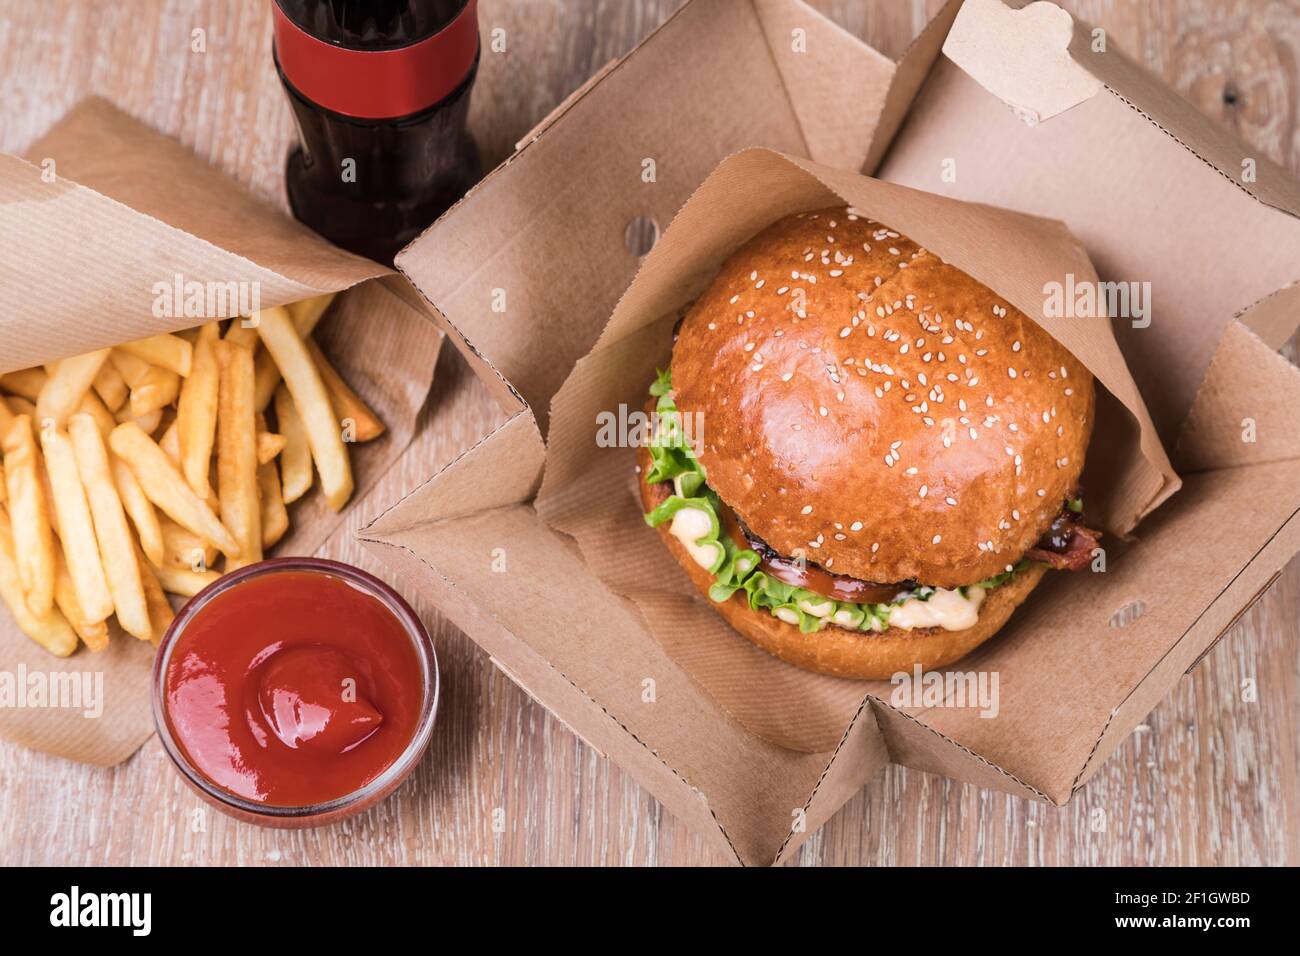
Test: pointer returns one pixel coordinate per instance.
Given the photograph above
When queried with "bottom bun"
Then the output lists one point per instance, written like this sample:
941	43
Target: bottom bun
834	650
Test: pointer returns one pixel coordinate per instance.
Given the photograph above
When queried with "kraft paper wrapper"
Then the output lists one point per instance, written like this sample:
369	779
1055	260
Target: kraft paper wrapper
79	256
587	491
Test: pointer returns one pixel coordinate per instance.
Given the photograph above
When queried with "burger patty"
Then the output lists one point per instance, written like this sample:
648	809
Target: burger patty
1067	546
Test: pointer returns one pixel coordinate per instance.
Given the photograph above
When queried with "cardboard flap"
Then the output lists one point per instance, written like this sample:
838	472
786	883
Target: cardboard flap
130	216
1229	425
909	73
502	469
816	84
100	147
1275	317
1021	56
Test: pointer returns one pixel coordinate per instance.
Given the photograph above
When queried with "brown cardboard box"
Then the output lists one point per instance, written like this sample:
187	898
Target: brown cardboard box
525	273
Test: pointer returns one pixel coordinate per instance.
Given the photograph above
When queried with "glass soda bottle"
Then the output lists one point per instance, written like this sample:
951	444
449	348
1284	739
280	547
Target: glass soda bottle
380	93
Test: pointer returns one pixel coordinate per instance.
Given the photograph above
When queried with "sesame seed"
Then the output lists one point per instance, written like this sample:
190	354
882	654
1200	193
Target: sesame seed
936	539
806	510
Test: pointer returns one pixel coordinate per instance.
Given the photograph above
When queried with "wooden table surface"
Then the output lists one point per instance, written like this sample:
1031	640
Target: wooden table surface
1208	779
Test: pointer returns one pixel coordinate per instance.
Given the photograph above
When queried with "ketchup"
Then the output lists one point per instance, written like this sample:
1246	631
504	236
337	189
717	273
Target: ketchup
292	688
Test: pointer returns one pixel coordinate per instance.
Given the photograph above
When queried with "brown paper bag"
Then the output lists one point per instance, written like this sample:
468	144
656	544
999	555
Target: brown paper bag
106	212
586	490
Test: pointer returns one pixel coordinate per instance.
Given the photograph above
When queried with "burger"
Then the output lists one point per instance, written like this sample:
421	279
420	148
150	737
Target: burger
865	458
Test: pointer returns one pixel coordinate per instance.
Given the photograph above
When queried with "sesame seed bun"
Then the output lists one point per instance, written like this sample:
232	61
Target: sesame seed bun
838	651
867	405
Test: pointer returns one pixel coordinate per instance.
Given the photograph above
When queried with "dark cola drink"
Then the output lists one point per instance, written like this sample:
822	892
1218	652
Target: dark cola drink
380	92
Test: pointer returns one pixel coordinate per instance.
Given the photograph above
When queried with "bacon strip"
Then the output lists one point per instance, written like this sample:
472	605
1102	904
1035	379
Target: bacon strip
1068	545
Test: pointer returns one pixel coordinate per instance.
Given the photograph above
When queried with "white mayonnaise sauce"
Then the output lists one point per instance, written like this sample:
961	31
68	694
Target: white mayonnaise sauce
816	608
788	614
691	524
945	609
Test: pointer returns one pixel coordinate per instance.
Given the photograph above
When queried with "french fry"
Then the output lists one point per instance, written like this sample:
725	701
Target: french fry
237	453
152	386
51	630
185	549
275	517
26	382
164	351
269	444
295	459
93	635
166	487
64	387
117	549
21	406
196	411
92	405
30	514
170	442
184	581
139	508
267	377
307	313
312	399
81	549
111	387
154	394
243	331
164	437
161	614
348	405
133	369
148	422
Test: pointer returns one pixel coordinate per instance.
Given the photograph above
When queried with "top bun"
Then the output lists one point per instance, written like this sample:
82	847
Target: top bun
868	405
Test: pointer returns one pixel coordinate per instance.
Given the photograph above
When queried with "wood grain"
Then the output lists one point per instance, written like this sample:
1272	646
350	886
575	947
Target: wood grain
1209	778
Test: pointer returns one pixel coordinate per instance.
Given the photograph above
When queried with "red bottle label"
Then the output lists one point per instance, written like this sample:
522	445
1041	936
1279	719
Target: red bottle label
378	84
